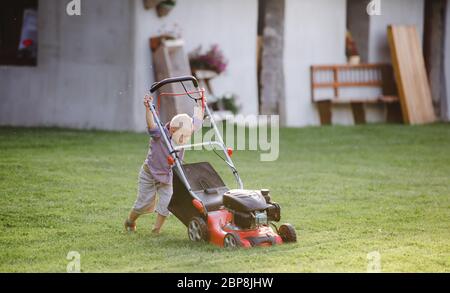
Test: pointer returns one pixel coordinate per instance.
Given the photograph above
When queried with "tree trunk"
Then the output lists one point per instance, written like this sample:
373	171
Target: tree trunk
434	37
272	96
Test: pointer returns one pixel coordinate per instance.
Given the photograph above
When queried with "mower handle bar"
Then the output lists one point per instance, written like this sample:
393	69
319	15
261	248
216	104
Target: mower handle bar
165	81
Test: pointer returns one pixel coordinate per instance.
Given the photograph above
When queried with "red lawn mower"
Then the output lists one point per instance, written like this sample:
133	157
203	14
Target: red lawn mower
210	210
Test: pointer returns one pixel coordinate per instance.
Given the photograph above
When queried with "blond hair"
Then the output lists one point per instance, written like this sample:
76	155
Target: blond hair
184	128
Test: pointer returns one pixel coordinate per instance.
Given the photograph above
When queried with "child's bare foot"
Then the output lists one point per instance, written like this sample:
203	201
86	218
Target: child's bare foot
130	226
155	231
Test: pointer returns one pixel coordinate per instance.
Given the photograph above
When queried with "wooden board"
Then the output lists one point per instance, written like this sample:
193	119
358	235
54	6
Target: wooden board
170	60
410	73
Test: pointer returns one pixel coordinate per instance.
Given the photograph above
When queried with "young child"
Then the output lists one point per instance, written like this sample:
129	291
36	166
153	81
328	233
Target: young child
155	176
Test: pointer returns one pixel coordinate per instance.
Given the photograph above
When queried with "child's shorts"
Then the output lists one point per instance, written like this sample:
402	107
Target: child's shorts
148	187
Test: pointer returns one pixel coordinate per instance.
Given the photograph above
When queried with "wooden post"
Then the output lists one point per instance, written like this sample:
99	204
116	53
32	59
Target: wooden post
335	82
359	115
324	108
393	110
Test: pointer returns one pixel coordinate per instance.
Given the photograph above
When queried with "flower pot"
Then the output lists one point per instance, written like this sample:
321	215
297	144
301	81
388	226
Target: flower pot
354	60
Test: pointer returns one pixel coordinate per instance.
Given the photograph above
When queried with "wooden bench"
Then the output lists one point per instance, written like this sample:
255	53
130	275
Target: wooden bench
334	79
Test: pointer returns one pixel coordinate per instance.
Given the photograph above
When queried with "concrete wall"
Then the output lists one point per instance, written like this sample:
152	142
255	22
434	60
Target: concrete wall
314	34
410	12
82	79
230	23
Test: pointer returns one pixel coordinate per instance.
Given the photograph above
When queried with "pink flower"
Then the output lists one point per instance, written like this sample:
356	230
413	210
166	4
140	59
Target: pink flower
213	59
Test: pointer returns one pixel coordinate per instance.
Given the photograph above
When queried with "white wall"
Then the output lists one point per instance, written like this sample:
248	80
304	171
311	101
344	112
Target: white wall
83	75
314	34
447	59
230	23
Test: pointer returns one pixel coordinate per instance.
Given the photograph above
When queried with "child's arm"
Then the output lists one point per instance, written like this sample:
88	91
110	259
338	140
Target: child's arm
148	114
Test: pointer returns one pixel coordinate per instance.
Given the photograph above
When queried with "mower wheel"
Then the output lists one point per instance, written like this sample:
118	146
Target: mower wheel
197	230
231	241
287	233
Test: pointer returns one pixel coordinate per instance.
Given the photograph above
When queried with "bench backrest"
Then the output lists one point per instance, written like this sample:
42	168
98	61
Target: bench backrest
336	77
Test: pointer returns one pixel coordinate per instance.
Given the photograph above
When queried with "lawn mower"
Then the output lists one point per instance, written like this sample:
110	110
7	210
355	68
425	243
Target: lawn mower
205	205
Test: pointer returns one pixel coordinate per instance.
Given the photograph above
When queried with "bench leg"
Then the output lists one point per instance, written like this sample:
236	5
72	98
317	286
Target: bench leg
324	108
359	116
394	113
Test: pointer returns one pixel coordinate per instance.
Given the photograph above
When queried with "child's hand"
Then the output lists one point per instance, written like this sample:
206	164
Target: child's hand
147	100
199	101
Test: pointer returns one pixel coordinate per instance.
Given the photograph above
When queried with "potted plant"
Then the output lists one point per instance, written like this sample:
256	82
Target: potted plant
227	102
212	60
164	7
351	50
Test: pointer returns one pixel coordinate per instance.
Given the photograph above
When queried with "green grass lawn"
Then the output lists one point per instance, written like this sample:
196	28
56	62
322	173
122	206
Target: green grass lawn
348	191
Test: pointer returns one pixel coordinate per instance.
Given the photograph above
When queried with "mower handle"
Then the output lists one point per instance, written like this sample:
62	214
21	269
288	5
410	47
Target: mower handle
158	84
